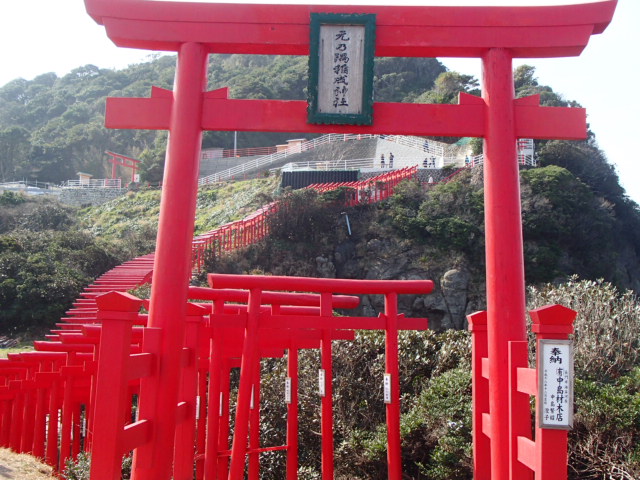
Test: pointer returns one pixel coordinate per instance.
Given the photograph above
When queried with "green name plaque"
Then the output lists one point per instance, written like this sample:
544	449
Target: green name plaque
341	56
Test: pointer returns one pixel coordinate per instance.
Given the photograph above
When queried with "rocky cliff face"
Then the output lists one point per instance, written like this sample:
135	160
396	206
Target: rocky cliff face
455	294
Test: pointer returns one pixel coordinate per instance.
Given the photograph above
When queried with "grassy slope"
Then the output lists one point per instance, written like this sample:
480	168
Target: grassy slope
6	351
217	204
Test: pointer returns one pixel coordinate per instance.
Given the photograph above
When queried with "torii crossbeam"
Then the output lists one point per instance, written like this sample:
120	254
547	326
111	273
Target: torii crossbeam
494	34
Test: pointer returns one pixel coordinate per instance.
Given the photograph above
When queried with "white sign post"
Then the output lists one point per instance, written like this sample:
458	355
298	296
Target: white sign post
387	387
287	390
555	384
321	382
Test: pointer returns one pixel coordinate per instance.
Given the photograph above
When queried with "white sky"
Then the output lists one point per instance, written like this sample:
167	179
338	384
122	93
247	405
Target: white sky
40	36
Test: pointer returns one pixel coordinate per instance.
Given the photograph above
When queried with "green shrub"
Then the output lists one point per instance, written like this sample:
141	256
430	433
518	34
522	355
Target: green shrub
8	198
80	468
607	328
605	440
303	217
41	273
437	428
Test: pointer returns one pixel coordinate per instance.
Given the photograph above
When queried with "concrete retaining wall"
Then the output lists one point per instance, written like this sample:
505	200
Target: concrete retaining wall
82	197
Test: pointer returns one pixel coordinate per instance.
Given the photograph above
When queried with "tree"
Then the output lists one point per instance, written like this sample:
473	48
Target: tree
447	87
14	150
524	76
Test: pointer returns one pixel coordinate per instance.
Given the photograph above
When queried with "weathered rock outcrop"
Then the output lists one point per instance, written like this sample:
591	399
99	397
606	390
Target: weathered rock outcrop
454	295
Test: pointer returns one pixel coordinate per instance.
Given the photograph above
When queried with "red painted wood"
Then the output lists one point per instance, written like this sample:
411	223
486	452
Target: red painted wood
519	409
172	267
326	402
254	428
250	360
394	455
465	120
504	251
292	415
480	403
185	435
324	285
401	31
552	322
111	401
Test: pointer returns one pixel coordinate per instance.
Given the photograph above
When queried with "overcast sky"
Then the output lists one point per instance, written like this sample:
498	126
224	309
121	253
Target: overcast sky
39	36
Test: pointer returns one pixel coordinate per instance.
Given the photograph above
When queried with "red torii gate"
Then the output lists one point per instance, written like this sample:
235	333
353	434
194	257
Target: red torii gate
124	161
494	34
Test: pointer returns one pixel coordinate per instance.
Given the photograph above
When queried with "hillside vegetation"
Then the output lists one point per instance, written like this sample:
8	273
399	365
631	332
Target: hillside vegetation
52	127
46	260
136	213
49	252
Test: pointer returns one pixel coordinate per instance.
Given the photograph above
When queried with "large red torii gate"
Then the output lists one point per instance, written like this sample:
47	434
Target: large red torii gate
494	34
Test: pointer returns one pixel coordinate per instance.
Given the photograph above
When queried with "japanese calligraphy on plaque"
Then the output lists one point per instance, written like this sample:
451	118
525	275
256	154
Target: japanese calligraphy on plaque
555	384
341	69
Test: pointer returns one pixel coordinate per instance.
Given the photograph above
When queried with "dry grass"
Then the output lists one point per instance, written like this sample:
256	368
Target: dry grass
5	351
14	466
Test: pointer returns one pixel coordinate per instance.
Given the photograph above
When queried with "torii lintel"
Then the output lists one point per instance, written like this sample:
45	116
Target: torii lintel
443	31
467	119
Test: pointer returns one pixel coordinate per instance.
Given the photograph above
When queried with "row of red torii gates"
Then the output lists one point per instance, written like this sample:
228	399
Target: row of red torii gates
496	35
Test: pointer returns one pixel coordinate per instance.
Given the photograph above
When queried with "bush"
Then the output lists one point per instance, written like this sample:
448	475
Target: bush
41	273
607	328
605	440
80	468
435	388
437	429
9	198
303	216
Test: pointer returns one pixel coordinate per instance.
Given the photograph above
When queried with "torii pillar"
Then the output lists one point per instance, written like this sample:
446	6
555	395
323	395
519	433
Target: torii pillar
506	304
494	34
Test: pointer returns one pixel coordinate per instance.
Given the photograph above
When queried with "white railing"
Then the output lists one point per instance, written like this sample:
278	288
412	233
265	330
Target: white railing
524	152
435	153
93	183
430	147
241	170
369	164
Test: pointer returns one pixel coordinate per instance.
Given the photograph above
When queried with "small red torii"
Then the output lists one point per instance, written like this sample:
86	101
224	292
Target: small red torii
124	161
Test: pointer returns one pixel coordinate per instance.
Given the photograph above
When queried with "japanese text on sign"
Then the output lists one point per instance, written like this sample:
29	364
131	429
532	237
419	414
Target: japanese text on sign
341	69
555	390
287	390
387	387
321	382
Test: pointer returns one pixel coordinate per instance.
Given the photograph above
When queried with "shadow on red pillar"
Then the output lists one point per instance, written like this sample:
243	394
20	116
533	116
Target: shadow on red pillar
172	268
504	251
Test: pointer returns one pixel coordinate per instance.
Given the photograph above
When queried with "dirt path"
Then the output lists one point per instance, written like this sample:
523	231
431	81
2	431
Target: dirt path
15	466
